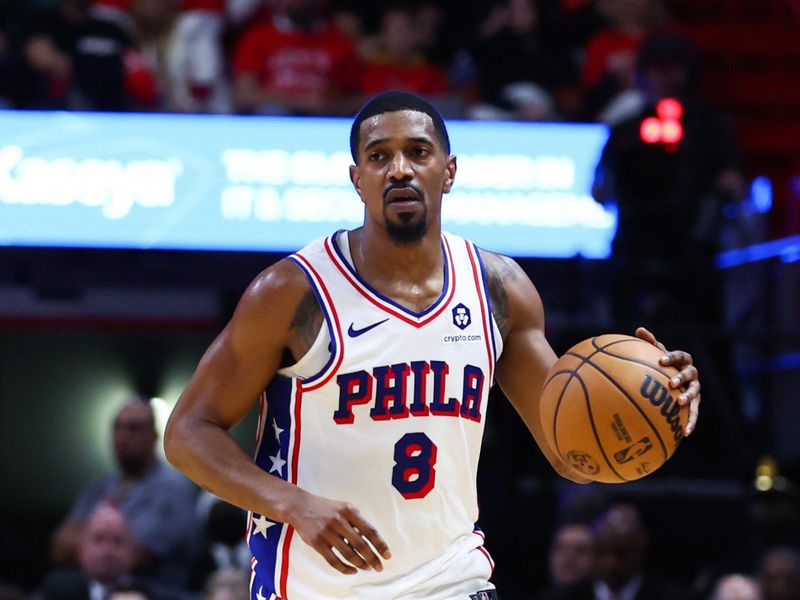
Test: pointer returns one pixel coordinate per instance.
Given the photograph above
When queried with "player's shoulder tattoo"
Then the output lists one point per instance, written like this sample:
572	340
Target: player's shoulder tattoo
307	320
500	272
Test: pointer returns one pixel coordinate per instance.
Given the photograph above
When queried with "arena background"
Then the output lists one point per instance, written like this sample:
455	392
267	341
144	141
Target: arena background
85	323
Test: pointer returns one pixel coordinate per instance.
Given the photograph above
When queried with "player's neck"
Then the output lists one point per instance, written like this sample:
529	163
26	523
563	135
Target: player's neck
376	256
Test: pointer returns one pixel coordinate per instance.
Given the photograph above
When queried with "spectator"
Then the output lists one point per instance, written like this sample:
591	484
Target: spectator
223	544
157	501
296	63
195	61
106	557
736	587
621	542
571	558
72	60
527	85
609	66
228	584
148	66
658	182
399	62
116	11
772	520
780	574
128	593
6	59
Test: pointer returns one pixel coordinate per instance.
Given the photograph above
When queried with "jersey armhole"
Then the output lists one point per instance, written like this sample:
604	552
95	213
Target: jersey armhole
317	360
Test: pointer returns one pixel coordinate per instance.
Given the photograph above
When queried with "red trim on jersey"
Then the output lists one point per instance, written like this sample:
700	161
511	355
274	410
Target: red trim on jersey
337	325
486	323
292	473
383	305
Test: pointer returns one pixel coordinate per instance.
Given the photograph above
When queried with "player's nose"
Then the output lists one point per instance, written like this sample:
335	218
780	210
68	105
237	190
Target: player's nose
400	167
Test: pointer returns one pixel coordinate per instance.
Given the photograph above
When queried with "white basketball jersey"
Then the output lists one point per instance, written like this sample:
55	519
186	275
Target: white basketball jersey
391	420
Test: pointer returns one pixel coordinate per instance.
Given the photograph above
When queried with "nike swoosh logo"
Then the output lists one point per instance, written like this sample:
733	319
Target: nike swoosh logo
353	332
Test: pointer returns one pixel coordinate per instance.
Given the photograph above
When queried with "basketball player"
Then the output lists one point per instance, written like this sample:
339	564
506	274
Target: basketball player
377	348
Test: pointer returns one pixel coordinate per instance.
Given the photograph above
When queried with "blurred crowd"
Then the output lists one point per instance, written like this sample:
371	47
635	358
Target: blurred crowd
506	59
144	532
607	559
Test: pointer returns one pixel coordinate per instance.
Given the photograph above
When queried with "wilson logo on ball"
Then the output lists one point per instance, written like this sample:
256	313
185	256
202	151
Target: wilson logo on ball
658	395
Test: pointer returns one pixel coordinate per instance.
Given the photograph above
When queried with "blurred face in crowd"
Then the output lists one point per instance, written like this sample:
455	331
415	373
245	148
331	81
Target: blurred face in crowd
398	34
736	587
227	584
524	16
620	542
780	574
403	169
668	80
107	550
135	437
127	595
572	554
154	15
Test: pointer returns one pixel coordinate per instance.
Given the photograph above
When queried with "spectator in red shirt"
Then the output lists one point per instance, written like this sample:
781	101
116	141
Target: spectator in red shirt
609	66
296	63
399	63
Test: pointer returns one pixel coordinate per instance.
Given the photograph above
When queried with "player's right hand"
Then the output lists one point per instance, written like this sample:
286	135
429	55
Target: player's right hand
326	524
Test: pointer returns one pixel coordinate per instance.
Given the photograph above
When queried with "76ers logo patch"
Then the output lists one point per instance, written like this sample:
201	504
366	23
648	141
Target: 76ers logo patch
461	316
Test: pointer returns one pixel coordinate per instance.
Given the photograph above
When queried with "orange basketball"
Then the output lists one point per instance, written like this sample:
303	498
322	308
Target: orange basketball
608	411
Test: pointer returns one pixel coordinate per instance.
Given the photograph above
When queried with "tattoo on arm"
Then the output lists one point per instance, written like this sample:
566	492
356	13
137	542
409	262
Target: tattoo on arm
498	273
305	324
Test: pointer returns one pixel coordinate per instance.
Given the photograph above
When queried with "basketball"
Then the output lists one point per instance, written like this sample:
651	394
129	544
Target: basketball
608	411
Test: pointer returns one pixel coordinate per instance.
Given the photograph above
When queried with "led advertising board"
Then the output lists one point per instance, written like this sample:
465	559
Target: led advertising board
272	184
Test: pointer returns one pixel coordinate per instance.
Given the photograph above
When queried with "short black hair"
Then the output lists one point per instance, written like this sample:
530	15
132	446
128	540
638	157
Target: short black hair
392	102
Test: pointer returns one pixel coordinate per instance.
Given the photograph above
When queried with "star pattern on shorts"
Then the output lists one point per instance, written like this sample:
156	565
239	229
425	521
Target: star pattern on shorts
259	595
261	525
278	430
277	463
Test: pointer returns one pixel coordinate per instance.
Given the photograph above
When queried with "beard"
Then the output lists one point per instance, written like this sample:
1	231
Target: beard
408	231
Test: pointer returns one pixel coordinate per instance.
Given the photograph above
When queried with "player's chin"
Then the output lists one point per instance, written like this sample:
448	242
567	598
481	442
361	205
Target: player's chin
406	228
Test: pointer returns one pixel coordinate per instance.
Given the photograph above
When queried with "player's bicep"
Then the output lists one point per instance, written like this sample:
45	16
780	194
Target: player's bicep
245	355
518	310
226	383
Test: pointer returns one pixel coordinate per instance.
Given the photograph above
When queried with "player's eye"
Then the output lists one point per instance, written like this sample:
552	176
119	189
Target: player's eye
420	151
373	156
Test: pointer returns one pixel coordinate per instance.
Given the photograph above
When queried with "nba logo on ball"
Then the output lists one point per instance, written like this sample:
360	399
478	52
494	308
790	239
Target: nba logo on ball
608	411
461	316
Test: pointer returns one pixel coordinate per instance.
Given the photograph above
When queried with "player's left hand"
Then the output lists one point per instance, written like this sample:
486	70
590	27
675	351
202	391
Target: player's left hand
686	380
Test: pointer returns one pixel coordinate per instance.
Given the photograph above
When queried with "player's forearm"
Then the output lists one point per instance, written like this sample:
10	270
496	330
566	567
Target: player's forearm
209	456
529	412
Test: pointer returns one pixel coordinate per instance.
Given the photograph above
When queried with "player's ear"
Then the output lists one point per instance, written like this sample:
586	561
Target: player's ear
450	176
356	180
